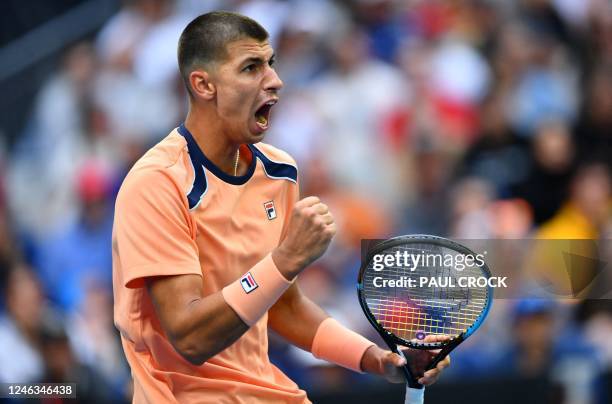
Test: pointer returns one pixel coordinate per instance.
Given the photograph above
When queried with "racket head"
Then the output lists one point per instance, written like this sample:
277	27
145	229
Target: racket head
405	316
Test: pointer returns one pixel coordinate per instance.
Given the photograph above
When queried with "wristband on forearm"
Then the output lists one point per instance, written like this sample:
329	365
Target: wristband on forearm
252	295
337	344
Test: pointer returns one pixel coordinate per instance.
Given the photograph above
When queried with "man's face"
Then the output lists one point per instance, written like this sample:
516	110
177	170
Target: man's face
246	88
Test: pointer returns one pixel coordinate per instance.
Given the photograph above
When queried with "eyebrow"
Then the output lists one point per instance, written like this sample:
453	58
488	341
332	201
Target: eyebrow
256	59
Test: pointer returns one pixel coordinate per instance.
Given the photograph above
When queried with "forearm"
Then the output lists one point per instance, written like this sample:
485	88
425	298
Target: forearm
296	318
306	325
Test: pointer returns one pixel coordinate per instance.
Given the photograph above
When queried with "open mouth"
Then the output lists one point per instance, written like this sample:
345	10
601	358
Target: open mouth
262	115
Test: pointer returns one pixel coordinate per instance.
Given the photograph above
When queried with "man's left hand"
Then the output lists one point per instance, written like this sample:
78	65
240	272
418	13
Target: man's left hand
388	364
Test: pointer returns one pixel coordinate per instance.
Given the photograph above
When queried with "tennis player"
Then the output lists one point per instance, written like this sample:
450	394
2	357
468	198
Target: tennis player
209	238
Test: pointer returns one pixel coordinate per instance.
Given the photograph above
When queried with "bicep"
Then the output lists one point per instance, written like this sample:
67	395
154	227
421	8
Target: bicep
172	296
198	326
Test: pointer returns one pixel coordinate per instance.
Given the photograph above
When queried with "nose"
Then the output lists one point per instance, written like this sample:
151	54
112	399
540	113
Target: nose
272	82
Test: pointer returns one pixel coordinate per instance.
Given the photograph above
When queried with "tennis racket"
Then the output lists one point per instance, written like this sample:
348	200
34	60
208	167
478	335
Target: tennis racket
405	312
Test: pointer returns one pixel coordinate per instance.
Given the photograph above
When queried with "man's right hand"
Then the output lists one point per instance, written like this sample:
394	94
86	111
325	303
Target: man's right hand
311	228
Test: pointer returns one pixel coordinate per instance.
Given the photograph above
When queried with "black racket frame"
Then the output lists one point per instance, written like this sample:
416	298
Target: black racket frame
391	339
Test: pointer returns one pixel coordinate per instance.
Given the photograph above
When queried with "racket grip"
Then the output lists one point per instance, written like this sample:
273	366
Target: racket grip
410	379
414	396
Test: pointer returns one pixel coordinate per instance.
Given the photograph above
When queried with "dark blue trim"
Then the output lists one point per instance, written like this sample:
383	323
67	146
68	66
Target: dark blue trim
198	189
199	159
275	169
200	184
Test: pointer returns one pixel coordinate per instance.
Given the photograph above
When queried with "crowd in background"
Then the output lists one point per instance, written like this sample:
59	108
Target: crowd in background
468	119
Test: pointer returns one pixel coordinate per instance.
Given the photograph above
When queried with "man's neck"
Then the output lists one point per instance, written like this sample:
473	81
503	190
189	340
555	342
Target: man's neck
211	139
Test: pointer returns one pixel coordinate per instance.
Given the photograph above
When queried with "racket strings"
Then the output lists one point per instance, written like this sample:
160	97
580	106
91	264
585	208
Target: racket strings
413	312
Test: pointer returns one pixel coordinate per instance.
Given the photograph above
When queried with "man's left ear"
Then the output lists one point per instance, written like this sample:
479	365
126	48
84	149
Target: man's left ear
201	85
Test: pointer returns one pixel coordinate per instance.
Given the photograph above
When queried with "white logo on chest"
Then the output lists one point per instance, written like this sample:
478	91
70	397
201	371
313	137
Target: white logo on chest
270	211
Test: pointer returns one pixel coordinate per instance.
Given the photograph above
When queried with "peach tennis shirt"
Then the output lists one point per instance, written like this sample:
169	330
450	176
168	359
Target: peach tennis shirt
177	213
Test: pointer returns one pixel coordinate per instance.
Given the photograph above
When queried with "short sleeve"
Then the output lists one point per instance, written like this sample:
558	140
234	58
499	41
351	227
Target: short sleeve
153	229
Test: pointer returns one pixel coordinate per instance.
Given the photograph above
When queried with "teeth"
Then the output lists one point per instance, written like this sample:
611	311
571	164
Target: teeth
262	119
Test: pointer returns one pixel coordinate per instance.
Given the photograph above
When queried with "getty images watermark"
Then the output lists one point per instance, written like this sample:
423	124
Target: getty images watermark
398	262
519	268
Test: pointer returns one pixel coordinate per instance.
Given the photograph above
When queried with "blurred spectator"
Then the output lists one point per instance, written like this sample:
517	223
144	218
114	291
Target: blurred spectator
140	104
546	185
512	218
121	35
380	19
61	365
498	155
94	339
544	17
442	101
541	346
586	213
598	40
271	14
299	50
459	80
533	337
471	217
20	359
77	255
566	259
594	128
352	105
298	130
48	155
545	90
595	316
428	212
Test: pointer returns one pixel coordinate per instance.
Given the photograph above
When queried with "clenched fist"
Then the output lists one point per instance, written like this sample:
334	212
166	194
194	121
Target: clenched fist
310	230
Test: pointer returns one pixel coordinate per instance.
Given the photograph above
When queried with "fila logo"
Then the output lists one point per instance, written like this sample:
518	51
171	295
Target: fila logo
248	283
270	211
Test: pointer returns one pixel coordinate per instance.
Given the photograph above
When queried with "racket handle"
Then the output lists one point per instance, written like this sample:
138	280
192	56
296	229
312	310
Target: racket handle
410	379
414	396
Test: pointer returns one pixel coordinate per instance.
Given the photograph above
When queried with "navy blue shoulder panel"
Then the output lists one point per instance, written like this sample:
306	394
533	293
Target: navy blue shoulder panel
275	169
198	189
200	184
